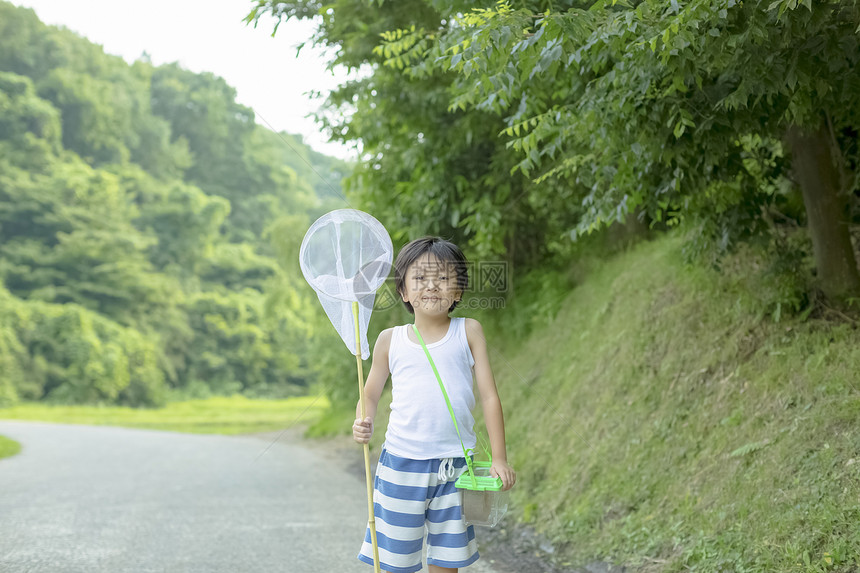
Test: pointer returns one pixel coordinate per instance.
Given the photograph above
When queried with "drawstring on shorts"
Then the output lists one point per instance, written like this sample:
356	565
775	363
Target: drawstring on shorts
446	470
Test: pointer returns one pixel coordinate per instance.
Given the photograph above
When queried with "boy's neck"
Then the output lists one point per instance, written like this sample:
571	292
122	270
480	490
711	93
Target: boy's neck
432	323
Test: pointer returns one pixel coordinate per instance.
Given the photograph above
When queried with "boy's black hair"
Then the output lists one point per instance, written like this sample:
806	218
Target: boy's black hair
445	251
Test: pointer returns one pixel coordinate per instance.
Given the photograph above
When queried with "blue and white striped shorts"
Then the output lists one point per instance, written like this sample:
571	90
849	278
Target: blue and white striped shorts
409	495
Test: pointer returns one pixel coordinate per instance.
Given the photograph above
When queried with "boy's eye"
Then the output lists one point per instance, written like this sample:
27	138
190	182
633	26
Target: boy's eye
443	278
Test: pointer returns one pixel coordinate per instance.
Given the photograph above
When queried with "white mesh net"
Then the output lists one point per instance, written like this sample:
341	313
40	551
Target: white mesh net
346	256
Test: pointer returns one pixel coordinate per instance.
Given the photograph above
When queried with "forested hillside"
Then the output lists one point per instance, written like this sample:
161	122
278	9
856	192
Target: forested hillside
146	228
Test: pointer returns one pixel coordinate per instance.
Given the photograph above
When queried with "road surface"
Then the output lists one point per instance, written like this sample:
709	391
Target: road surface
84	499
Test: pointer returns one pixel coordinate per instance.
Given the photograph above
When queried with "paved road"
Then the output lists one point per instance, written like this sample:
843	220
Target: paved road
112	500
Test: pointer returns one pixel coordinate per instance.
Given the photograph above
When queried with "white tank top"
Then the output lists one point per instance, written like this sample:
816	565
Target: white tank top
420	425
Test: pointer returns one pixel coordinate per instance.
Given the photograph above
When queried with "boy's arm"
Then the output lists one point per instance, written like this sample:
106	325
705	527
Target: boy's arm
490	403
376	378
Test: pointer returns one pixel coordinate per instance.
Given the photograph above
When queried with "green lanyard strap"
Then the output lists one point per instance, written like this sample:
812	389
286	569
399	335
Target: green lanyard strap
447	400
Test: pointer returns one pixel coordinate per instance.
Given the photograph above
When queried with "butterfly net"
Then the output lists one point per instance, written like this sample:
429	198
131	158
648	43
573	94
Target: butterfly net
346	256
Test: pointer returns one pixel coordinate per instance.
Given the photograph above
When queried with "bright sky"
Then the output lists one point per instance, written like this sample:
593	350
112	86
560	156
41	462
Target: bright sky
209	35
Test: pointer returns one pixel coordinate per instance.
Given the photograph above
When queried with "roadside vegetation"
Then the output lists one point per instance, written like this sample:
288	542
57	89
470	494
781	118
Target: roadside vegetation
8	447
662	420
217	415
658	418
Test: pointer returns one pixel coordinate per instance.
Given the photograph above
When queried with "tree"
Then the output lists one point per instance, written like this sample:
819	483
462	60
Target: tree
68	354
201	110
67	236
186	221
94	113
25	46
30	131
645	107
687	111
427	168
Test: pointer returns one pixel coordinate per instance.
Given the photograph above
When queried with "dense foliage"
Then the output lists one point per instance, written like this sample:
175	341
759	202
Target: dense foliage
521	126
145	227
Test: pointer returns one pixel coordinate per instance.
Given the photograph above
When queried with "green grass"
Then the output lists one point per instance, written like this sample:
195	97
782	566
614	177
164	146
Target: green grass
8	447
220	415
660	420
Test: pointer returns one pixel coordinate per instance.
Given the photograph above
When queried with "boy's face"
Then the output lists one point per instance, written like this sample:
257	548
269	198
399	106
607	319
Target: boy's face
431	285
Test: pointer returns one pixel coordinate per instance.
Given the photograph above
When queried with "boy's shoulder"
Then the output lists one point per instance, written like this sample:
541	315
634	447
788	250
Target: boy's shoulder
385	336
474	330
383	344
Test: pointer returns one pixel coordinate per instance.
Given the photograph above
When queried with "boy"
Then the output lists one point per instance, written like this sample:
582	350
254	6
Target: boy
422	455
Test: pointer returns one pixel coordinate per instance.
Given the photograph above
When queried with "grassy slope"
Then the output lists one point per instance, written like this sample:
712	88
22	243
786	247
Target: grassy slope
659	420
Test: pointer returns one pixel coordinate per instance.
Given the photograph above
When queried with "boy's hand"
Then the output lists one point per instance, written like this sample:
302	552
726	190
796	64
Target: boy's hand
502	470
362	430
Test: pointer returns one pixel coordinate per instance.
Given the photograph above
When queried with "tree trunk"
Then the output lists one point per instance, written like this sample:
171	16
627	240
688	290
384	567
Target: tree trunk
818	176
